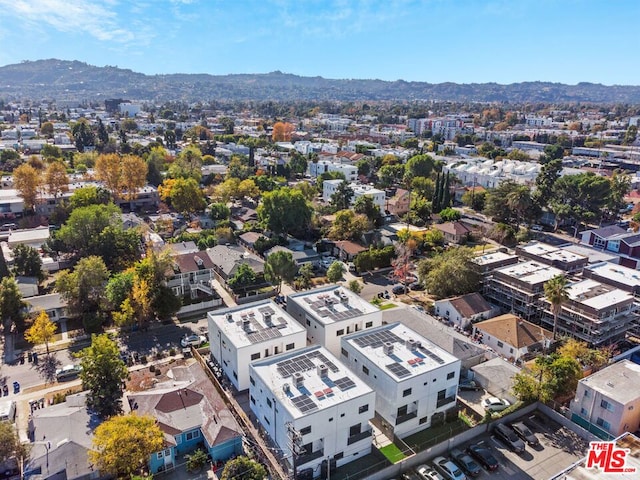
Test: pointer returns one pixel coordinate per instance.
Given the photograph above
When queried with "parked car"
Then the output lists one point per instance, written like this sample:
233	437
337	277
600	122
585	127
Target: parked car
509	437
525	434
482	453
399	290
68	372
468	385
495	404
448	469
425	472
193	340
417	286
465	462
410	475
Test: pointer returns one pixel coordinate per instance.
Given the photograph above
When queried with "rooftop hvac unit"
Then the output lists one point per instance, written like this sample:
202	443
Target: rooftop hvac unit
323	370
298	379
246	325
387	348
411	344
229	317
286	388
337	292
267	318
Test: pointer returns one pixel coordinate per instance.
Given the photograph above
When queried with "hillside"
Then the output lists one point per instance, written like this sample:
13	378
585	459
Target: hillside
77	81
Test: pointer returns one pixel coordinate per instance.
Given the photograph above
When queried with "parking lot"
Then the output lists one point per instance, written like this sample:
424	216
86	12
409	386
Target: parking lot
559	448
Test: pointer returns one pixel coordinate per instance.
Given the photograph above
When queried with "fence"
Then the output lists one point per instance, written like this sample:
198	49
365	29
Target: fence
197	307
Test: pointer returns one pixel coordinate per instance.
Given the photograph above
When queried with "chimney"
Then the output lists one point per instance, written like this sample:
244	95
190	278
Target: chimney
387	348
411	344
298	380
323	370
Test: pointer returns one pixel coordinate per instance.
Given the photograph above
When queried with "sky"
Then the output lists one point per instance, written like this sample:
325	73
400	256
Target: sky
462	41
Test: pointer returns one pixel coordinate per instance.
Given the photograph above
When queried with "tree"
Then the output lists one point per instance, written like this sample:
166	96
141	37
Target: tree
51	152
451	273
133	176
188	164
219	211
186	196
341	198
588	357
196	460
123	444
365	206
546	179
27	261
335	272
26	180
450	214
355	286
12	447
81	232
85	196
285	211
620	188
82	134
282	132
348	226
42	331
11	303
419	166
56	179
243	468
475	199
108	171
554	152
83	289
46	130
280	267
244	277
298	164
520	203
155	164
103	374
496	205
555	291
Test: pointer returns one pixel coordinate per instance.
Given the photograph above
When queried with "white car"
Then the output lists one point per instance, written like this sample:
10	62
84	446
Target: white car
448	469
193	340
425	472
495	404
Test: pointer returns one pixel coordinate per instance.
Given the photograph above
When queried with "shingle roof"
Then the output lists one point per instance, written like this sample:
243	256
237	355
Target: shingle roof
470	304
453	228
514	331
192	262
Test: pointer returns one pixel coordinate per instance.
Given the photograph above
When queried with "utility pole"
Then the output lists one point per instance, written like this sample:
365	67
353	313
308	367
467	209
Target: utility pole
295	445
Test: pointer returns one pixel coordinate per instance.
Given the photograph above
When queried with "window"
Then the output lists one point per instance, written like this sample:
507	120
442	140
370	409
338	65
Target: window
402	411
603	423
235	375
341	415
406	393
344	353
451	375
192	435
355	430
305	430
269	402
423	420
442	394
338	456
500	344
253	400
308	323
363	408
340	332
586	393
368	325
607	405
365	370
583	412
252	381
255	356
599	242
290	346
266	420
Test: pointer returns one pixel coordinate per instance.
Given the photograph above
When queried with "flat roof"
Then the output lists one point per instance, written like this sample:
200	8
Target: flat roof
399	351
332	304
493	257
531	272
551	252
619	381
309	380
616	273
255	323
592	254
596	295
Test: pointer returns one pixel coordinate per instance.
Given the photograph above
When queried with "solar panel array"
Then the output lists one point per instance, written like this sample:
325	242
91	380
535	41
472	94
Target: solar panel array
432	356
303	363
332	306
377	339
398	370
344	383
263	334
304	403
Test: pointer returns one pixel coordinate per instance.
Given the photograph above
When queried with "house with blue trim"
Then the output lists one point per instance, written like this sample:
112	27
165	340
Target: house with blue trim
191	414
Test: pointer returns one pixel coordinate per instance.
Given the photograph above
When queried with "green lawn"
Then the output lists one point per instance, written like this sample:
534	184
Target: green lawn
393	453
383	306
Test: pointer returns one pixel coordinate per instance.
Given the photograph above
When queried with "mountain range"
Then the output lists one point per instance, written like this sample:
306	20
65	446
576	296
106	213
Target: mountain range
64	80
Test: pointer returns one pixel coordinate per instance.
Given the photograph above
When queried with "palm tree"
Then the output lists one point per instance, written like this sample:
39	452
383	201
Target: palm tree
519	202
555	291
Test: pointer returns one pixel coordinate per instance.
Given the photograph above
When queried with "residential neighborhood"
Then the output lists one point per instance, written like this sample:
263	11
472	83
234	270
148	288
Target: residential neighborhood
332	293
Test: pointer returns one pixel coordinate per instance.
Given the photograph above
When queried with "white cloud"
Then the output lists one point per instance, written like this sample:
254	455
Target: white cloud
98	19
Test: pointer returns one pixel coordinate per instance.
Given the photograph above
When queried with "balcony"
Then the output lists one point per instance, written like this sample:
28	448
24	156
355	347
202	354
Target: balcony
309	457
359	436
443	401
406	417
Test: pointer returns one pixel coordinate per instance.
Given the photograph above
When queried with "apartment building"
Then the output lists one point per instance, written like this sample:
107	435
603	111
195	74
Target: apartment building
518	288
243	334
607	403
595	313
550	255
415	381
350	172
328	313
378	196
313	408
